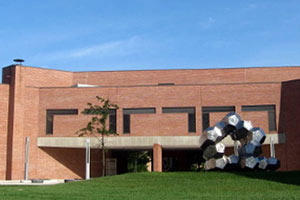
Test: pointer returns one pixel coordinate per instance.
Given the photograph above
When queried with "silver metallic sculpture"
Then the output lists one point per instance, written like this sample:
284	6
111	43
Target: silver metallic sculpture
246	156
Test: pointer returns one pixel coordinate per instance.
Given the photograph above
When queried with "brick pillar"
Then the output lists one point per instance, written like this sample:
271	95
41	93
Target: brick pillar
157	158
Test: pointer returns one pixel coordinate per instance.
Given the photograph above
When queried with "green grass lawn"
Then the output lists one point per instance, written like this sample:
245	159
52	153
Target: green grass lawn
177	185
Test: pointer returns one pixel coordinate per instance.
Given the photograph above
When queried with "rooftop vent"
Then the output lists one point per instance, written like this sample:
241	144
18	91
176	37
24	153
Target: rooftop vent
165	84
19	61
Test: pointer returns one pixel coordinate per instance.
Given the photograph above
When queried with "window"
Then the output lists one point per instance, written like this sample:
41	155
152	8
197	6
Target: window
112	118
271	113
128	111
126	123
192	122
50	115
209	109
191	115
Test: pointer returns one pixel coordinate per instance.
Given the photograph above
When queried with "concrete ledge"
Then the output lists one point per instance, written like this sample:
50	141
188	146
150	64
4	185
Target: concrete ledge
140	142
31	182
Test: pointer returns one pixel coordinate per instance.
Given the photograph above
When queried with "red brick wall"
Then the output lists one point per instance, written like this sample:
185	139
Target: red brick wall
15	164
31	129
158	97
157	158
39	77
61	163
270	74
218	87
289	123
4	96
42	163
243	94
198	76
23	114
66	163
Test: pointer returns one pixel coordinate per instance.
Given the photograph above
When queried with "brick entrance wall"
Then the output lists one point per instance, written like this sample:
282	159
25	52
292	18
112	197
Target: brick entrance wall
31	91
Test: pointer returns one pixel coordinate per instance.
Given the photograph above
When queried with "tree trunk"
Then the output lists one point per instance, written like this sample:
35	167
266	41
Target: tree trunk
103	157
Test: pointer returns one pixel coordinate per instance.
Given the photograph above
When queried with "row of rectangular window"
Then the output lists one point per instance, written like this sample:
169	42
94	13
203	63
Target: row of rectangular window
271	113
50	116
191	111
153	110
246	108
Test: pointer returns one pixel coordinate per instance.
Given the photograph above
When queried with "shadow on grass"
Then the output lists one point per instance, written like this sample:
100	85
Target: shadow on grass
292	177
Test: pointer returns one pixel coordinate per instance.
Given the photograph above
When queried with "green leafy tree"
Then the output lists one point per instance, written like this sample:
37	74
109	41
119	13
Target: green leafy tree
97	126
138	160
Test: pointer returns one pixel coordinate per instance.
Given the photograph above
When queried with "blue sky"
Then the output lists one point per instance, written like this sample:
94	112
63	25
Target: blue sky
91	35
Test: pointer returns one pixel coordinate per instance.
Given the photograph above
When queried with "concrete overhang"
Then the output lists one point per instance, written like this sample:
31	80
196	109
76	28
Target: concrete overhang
140	142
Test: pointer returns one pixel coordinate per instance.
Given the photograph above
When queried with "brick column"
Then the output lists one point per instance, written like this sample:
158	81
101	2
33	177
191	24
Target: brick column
157	158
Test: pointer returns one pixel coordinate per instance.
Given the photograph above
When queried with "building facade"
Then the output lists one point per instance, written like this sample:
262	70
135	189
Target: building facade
161	111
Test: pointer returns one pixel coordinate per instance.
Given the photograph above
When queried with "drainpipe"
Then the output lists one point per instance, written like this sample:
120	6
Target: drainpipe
87	158
27	144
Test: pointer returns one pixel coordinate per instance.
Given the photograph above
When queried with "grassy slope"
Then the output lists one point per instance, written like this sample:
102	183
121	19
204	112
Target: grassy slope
179	185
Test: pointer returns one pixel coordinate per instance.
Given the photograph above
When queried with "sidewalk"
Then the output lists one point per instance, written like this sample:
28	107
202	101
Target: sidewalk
32	182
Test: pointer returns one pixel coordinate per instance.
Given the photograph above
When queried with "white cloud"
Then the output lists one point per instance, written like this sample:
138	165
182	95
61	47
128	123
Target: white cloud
108	49
96	49
121	47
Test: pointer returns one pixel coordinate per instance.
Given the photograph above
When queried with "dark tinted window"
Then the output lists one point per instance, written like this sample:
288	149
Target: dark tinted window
211	109
205	120
192	122
51	112
126	123
208	109
191	115
113	121
271	113
128	111
138	111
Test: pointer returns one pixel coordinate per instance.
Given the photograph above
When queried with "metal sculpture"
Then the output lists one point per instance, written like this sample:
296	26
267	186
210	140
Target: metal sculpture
247	156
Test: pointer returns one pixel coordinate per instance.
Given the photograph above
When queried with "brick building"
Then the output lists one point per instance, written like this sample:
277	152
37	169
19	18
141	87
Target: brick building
162	111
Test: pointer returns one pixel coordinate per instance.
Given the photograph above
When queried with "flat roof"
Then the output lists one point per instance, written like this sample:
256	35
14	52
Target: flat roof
177	69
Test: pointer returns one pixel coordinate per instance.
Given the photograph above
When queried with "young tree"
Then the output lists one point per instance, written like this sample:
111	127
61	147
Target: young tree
97	126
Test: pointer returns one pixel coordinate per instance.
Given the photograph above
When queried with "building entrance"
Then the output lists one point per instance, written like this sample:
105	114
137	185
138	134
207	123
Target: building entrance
181	160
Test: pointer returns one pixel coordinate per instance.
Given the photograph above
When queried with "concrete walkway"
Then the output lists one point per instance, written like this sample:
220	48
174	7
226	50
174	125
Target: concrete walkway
32	182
